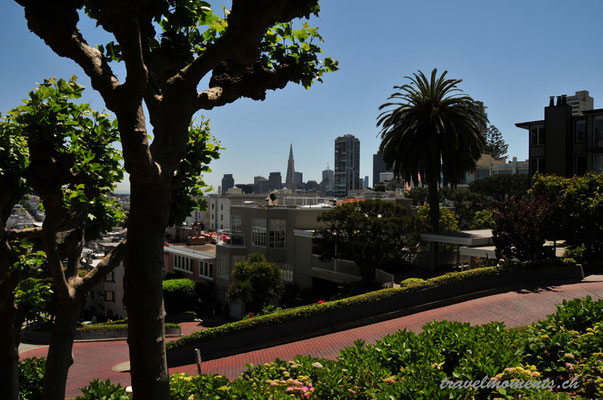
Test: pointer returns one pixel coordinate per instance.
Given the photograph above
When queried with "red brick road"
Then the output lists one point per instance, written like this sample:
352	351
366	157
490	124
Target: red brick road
94	360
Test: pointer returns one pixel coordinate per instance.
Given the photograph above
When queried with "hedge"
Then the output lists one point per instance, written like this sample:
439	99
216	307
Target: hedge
375	296
113	327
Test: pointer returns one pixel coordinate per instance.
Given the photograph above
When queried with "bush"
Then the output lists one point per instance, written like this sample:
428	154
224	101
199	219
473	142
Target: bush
98	390
580	215
255	282
521	228
179	295
31	378
483	219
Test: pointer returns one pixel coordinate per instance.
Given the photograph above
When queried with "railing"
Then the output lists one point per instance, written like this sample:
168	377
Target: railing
385	278
339	266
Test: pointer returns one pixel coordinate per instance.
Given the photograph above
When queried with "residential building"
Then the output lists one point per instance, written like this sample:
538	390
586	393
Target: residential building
565	143
488	166
227	183
347	165
580	102
275	182
195	262
290	177
219	208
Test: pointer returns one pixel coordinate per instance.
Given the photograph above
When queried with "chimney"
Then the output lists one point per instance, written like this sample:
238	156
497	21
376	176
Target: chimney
551	101
564	99
558	100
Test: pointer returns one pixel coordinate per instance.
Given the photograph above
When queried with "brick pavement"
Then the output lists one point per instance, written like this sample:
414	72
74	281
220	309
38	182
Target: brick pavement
515	308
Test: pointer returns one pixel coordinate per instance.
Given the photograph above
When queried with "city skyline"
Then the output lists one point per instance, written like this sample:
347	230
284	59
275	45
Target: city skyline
511	56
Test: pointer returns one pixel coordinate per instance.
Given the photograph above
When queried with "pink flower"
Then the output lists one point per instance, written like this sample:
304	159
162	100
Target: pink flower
320	301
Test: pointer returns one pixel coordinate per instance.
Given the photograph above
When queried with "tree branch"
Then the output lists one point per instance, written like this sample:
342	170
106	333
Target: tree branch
107	264
247	24
253	84
55	22
26	233
74	244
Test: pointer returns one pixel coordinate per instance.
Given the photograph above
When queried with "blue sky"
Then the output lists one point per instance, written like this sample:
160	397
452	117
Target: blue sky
510	54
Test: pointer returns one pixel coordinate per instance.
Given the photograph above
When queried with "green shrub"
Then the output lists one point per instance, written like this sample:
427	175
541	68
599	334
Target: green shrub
31	378
255	282
412	282
179	295
99	390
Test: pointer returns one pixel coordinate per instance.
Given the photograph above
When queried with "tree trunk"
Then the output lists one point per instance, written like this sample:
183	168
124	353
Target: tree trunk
434	216
9	343
143	289
60	351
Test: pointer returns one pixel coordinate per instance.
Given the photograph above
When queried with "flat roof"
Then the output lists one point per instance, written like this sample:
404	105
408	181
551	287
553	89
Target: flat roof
488	252
526	125
471	238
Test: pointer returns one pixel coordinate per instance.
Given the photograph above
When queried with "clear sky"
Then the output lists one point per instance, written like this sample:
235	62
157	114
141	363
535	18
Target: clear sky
510	54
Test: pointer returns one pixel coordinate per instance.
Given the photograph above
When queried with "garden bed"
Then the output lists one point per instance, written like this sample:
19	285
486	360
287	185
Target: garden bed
318	319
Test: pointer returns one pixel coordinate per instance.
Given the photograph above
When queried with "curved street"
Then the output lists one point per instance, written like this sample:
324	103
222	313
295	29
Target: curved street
514	308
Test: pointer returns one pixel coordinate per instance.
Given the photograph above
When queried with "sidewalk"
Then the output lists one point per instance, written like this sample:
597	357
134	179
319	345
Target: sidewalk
516	308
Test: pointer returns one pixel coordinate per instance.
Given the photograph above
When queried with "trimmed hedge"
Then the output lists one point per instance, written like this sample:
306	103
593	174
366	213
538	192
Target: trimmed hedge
282	316
179	295
112	330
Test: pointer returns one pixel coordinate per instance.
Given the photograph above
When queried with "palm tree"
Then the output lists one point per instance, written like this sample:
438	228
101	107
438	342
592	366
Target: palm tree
430	129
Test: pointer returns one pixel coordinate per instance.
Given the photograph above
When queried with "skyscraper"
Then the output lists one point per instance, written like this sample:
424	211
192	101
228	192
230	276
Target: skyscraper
275	181
347	165
378	168
227	183
290	177
299	179
326	185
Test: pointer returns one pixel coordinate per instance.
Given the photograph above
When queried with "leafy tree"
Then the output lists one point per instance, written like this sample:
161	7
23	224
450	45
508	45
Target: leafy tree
579	218
466	204
418	195
429	129
483	219
448	222
168	48
73	168
255	282
495	144
501	187
521	227
371	233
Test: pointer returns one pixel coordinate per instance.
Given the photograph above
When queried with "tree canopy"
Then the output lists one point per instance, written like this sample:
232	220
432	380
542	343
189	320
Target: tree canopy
371	233
429	129
495	143
255	282
179	58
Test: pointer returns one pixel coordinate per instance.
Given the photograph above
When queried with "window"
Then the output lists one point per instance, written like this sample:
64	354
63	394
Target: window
213	206
580	130
221	207
183	263
598	132
482	173
287	273
277	233
221	217
258	232
598	162
236	234
537	135
537	165
580	167
223	267
109	295
206	270
110	277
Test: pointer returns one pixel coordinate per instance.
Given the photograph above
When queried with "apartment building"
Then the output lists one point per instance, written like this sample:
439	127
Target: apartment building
565	142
